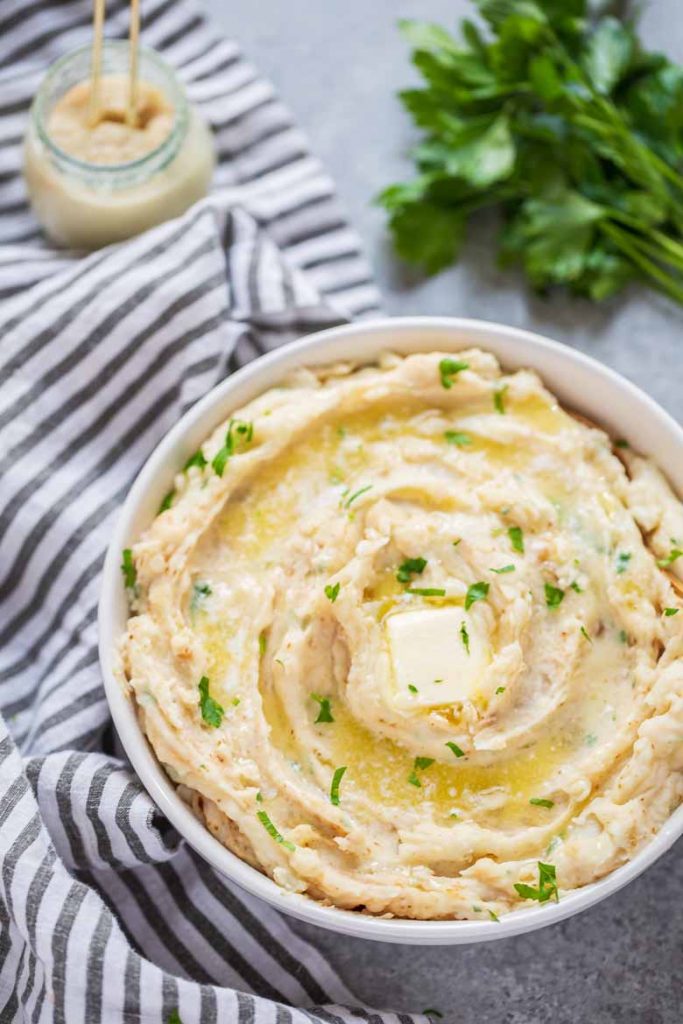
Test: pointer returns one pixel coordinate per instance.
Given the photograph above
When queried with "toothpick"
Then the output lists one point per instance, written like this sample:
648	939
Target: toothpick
96	63
134	35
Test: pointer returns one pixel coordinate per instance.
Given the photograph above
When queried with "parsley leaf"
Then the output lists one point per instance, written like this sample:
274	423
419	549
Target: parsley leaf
166	503
411	567
449	369
672	557
336	781
537	801
458	437
671	611
458	751
325	713
238	436
128	569
332	591
419	764
357	494
426	591
212	711
516	538
623	558
499	398
198	459
505	568
547	885
464	636
586	635
273	832
476	592
553	595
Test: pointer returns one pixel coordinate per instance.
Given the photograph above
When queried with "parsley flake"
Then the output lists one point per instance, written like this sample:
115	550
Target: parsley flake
325	713
198	460
494	916
671	611
262	644
128	569
547	885
357	494
212	711
458	438
553	595
166	503
458	751
585	635
621	443
623	558
239	434
411	567
336	781
505	568
516	538
672	557
537	801
332	592
575	586
273	832
449	369
500	689
413	688
476	592
200	591
426	591
419	764
499	398
464	636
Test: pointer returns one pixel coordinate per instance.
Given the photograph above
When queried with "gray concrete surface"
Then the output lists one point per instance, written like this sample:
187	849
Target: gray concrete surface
338	65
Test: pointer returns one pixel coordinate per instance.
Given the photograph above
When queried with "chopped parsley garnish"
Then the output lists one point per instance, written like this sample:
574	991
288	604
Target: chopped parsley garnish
198	460
621	443
553	595
464	636
174	1018
505	568
235	701
128	569
499	398
166	503
500	689
494	916
411	567
419	765
623	558
273	832
262	643
671	611
585	635
212	712
476	592
357	494
537	801
547	885
325	713
259	797
457	437
516	538
672	557
332	592
336	781
575	586
458	751
449	369
426	591
623	636
456	542
238	436
413	688
199	592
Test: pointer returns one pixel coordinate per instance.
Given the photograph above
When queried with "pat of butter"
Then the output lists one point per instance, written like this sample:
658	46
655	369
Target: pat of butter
430	659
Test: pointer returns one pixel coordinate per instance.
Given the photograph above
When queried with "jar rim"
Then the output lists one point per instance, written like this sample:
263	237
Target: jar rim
170	142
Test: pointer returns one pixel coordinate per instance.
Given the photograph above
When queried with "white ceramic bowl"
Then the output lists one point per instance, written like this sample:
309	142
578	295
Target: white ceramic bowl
580	383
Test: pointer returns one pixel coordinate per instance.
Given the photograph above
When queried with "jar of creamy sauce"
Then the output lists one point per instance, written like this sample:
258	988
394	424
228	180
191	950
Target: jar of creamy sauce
94	178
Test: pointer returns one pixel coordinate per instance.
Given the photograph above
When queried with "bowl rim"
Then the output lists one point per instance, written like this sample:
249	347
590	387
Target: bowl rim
331	345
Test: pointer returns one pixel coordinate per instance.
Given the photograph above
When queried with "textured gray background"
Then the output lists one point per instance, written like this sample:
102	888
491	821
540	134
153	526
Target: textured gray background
338	66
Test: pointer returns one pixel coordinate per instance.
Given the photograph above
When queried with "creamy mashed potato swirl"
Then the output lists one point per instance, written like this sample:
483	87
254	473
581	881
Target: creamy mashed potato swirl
402	632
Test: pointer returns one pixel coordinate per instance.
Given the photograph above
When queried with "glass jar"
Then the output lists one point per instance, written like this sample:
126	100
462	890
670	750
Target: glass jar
86	205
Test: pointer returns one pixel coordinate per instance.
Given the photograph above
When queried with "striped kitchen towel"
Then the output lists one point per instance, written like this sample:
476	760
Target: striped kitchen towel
105	914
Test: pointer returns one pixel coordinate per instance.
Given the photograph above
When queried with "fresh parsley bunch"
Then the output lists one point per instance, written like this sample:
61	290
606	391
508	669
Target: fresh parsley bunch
568	126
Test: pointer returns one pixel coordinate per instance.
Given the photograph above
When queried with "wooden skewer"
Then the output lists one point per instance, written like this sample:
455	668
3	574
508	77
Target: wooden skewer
133	38
96	63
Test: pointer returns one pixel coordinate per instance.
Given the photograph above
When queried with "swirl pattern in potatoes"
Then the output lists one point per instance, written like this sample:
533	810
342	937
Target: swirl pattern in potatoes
406	637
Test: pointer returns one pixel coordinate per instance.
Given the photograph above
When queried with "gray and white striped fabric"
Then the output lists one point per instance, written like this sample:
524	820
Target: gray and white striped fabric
105	915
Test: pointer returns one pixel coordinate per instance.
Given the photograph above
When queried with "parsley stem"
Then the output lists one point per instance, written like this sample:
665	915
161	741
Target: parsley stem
664	281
